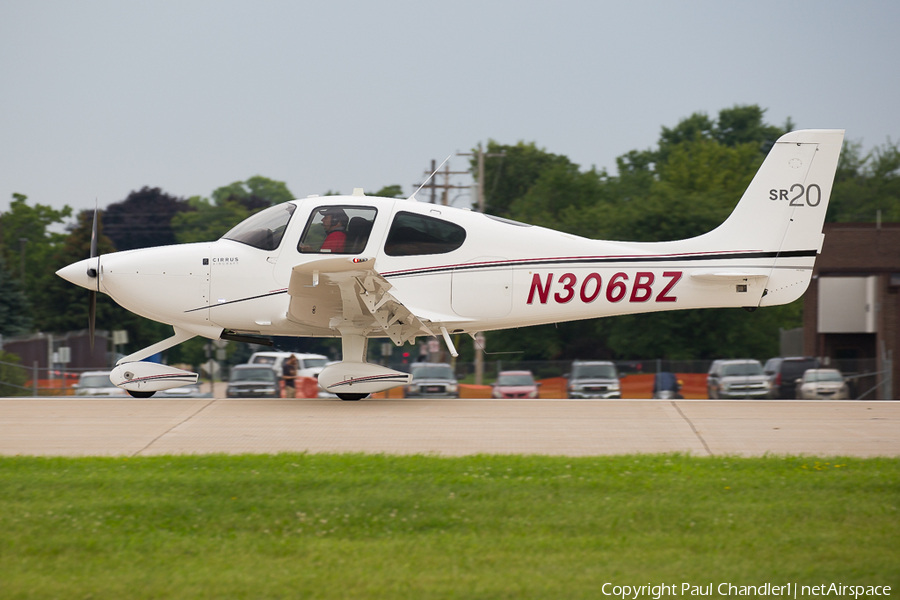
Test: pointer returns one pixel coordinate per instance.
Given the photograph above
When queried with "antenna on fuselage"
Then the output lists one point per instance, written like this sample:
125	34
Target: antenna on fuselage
413	197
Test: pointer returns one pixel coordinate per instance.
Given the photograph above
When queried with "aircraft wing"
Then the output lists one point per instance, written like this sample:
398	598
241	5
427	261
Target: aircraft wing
347	293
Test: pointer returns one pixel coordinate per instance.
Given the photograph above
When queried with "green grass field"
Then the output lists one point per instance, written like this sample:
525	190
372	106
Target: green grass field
373	526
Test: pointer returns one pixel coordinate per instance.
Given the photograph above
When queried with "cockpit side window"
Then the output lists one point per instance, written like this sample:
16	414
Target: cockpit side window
263	230
412	234
337	230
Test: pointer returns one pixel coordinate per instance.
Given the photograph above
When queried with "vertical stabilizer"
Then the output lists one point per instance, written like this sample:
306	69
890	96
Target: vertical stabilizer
783	210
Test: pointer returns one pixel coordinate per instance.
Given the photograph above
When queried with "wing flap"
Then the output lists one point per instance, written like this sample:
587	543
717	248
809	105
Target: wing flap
348	294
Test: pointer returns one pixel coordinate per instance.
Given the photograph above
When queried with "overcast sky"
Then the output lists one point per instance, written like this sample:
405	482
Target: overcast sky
101	98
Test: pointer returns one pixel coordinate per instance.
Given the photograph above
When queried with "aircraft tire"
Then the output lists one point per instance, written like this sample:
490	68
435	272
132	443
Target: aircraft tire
347	397
140	394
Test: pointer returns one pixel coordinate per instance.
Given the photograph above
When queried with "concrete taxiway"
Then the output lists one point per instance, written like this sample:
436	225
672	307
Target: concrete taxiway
128	427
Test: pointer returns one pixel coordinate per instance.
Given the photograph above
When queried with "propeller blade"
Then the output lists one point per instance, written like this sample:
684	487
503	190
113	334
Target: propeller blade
95	273
94	235
92	316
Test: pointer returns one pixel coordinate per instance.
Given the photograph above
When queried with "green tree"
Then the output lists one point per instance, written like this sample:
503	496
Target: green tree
702	333
691	193
559	198
508	178
15	309
867	185
735	126
744	125
27	241
254	194
696	126
207	221
143	219
389	191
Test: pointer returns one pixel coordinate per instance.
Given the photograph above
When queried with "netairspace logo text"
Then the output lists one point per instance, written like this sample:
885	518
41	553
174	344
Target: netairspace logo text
788	590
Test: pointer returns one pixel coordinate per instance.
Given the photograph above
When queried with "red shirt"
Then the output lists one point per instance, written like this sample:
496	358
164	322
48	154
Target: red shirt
334	242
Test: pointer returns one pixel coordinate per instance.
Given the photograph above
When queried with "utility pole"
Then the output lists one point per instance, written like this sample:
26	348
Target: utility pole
480	155
433	185
479	341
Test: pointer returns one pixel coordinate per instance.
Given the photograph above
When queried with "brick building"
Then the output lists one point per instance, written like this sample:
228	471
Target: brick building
851	311
38	349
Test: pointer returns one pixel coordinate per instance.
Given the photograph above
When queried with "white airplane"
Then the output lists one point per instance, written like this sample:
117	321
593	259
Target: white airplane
361	267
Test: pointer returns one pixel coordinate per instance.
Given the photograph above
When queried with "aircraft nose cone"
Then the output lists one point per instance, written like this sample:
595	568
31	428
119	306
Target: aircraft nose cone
77	273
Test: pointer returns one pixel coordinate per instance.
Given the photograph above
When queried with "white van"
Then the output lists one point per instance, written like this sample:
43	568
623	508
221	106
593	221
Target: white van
308	365
97	383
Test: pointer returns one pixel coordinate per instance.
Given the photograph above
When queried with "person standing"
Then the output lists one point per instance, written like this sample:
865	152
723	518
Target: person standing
288	376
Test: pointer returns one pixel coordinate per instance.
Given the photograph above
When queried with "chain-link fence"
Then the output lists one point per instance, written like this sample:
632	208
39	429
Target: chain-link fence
545	369
21	380
864	379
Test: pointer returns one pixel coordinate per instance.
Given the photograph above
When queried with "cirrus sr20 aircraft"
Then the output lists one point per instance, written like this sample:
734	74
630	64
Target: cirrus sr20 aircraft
361	267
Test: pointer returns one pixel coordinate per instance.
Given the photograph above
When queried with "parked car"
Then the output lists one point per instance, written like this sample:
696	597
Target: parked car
666	386
97	383
737	378
783	374
593	379
253	381
818	384
432	380
515	384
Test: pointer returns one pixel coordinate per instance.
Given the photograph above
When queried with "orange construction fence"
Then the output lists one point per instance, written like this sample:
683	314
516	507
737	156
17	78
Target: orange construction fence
54	387
693	386
304	387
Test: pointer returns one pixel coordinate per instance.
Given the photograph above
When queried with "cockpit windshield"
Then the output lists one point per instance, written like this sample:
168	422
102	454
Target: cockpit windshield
263	230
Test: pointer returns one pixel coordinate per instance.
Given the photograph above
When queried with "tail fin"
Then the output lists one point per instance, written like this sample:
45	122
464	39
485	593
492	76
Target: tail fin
783	210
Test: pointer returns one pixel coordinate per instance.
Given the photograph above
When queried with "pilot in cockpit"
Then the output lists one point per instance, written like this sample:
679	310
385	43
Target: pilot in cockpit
334	223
